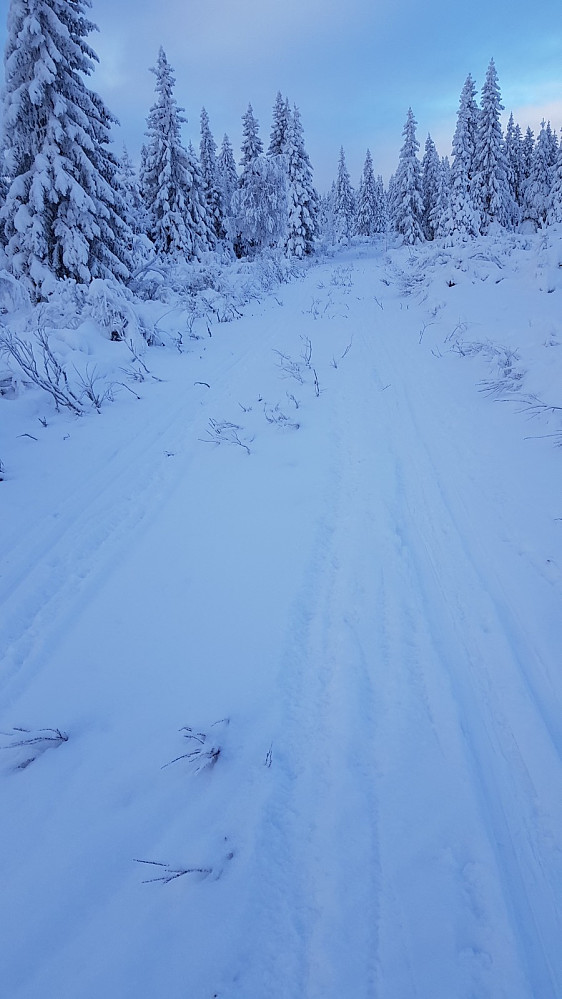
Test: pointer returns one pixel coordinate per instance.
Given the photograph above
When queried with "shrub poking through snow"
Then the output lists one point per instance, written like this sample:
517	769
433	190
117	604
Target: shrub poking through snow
32	743
204	747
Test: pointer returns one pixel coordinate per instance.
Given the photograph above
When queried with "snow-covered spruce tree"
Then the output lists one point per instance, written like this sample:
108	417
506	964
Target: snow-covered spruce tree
128	185
3	193
527	150
252	146
552	140
493	198
407	204
463	215
514	166
440	217
554	210
62	216
280	129
539	183
227	176
302	198
343	205
326	215
366	203
172	186
431	174
381	206
208	163
259	205
199	220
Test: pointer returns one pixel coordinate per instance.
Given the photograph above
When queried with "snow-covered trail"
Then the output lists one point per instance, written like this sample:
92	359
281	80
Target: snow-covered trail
410	844
372	600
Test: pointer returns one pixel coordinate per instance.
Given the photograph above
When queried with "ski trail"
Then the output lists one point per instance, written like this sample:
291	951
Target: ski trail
60	559
316	842
386	795
407	847
512	760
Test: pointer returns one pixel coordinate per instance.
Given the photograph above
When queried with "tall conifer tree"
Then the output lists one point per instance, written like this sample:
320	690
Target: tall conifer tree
62	215
280	129
227	176
259	205
514	166
208	163
252	146
171	181
366	204
302	199
407	204
554	209
539	183
491	187
431	174
128	185
343	206
463	216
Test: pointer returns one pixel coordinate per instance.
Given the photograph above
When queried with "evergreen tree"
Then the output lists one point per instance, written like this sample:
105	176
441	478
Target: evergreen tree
514	166
552	145
343	203
227	177
62	215
135	212
463	216
367	198
199	220
252	146
281	124
440	217
493	198
539	183
171	181
143	171
326	215
259	206
527	153
3	194
407	206
208	162
431	175
381	207
302	199
554	210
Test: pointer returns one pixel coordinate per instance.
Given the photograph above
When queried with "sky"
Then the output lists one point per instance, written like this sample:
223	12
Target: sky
352	67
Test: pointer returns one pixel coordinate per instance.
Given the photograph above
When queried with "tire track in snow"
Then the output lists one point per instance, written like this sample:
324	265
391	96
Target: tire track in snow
512	763
503	770
313	888
50	569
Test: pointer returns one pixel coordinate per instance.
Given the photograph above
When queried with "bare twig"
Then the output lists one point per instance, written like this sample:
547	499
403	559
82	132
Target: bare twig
45	371
170	873
307	350
37	742
225	433
348	348
316	384
206	750
289	367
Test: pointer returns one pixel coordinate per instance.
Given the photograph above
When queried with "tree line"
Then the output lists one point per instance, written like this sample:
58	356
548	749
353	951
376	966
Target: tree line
71	209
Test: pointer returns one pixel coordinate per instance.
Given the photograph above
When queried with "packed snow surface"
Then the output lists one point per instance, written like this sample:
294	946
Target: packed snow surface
281	683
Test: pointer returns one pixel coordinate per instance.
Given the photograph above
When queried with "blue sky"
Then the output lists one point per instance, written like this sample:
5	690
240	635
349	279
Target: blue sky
353	67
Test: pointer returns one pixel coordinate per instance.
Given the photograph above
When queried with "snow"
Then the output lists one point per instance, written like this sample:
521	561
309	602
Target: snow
362	613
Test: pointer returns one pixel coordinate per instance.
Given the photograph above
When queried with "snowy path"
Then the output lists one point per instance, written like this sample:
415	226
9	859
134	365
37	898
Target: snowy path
372	600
